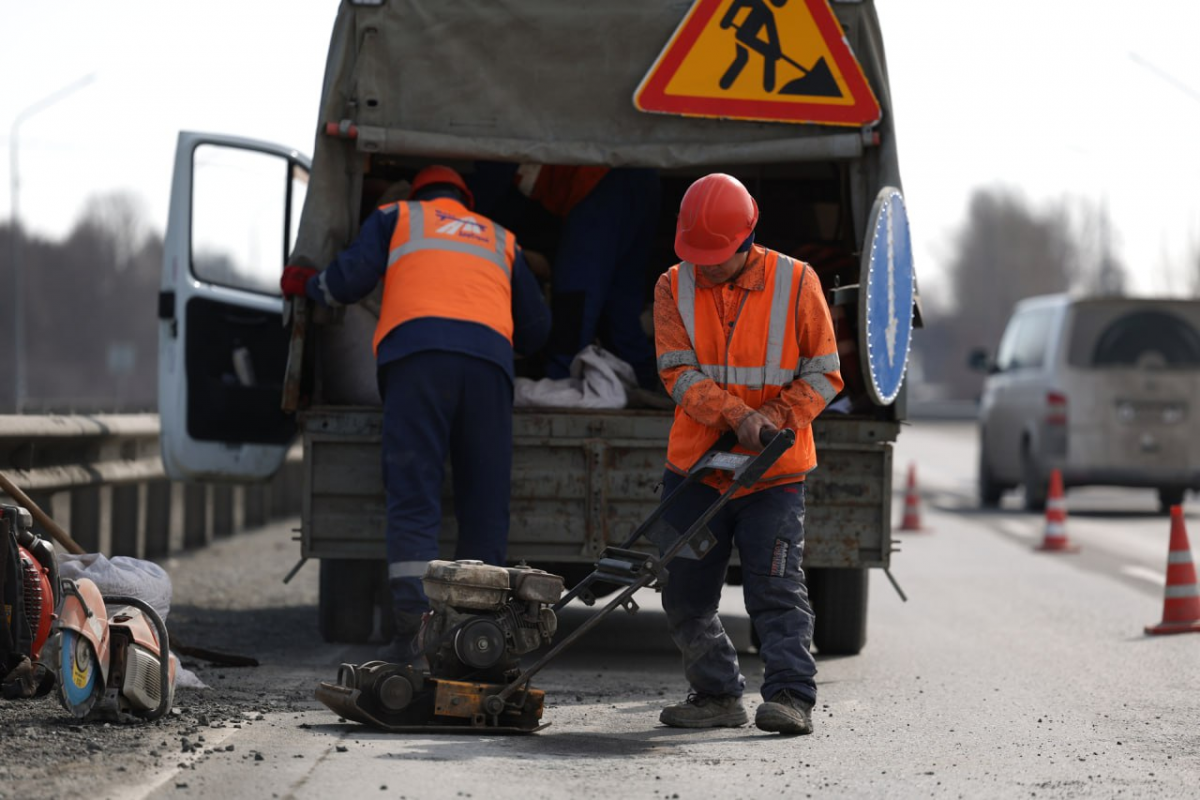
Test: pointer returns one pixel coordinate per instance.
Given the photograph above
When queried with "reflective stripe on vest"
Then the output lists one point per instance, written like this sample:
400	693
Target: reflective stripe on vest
445	262
755	377
417	241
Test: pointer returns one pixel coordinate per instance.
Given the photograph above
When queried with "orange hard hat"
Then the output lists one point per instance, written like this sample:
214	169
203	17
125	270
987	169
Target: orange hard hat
439	174
716	216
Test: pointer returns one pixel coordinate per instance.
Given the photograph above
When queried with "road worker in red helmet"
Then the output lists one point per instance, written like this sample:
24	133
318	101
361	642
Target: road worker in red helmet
437	174
745	343
458	299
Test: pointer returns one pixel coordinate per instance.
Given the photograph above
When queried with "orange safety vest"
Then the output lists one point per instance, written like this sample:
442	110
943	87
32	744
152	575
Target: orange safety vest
558	187
446	261
753	362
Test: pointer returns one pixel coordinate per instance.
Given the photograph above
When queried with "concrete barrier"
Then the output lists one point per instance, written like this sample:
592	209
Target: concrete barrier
100	477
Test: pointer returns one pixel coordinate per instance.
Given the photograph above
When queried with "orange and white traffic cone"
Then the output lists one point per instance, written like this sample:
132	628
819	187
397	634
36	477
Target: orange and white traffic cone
912	503
1181	599
1055	539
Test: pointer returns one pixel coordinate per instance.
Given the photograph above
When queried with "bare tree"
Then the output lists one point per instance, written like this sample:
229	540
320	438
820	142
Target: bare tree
1004	251
1193	263
1097	269
90	300
122	219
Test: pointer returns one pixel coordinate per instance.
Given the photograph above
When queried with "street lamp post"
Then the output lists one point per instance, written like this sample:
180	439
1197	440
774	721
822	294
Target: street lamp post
15	235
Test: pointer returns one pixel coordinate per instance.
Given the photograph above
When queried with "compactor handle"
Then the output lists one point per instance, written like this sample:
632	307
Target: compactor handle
775	443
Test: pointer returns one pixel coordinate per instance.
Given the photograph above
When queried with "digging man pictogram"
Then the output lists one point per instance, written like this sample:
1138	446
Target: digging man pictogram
758	32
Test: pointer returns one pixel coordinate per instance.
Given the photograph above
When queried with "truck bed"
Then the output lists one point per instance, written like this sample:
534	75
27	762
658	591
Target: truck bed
585	478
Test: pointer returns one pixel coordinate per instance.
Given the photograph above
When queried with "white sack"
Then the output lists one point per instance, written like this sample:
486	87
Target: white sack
598	380
121	575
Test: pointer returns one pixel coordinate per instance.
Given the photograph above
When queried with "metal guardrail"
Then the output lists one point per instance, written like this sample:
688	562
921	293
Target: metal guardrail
101	478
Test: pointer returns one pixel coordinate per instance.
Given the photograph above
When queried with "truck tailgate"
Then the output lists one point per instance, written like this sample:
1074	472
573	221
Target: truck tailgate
584	479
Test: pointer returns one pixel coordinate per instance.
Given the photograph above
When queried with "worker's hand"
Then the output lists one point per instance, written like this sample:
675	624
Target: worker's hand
749	433
295	279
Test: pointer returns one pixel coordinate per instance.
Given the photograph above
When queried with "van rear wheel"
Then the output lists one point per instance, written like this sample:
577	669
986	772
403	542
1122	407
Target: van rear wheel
1034	482
990	491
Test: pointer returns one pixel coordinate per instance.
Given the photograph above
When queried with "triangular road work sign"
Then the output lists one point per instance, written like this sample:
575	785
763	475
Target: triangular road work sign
769	60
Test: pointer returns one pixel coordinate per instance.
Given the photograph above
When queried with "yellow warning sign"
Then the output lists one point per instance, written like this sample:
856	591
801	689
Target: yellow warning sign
770	60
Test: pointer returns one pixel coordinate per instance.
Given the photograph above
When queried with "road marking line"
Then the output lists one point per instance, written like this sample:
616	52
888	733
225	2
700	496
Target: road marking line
213	737
1144	574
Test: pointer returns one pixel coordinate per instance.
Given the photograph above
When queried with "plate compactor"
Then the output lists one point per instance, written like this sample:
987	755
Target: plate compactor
469	678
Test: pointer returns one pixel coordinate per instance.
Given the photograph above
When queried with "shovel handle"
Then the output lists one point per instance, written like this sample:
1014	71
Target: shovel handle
58	534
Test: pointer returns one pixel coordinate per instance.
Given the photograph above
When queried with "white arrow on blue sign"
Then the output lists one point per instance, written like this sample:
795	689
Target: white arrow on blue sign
886	289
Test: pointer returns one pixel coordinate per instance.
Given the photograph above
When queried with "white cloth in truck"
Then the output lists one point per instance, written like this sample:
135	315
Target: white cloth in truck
598	380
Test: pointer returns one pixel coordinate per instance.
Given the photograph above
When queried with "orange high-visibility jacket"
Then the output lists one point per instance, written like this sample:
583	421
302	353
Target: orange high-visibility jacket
558	187
762	341
447	261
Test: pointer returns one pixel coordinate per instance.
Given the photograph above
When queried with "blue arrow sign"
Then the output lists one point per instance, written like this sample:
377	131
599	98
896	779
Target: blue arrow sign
886	289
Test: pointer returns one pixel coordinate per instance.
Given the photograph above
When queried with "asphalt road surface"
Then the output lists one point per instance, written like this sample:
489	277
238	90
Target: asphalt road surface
1008	673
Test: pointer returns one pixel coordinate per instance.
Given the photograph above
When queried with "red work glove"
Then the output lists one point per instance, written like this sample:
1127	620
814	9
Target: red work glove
295	279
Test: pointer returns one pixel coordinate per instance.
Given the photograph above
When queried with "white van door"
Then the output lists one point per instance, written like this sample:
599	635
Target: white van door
235	207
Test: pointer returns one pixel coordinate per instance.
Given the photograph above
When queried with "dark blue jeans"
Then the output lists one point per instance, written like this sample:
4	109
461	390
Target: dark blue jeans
438	404
600	272
768	528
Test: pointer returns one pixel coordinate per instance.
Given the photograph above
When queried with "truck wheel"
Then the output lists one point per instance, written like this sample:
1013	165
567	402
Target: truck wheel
839	601
990	492
1034	481
1170	496
346	605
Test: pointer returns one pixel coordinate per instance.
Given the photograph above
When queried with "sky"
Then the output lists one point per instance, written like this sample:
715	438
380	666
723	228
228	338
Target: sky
1055	100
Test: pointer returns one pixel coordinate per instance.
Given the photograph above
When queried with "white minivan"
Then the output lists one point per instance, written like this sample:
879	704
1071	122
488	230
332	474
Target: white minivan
1099	388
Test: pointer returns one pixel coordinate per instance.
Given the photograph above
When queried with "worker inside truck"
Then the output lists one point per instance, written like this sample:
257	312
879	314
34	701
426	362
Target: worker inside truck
602	223
601	290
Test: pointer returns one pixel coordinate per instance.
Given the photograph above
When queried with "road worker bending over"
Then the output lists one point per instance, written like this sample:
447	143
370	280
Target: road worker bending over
745	343
458	299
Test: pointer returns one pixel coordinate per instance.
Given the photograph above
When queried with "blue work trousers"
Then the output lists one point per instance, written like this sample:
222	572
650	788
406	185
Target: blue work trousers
768	528
437	404
599	284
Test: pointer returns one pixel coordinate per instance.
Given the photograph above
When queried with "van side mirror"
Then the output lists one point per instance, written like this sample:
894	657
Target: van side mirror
980	361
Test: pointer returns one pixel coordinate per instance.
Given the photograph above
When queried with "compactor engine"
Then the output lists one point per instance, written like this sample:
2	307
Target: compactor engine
482	620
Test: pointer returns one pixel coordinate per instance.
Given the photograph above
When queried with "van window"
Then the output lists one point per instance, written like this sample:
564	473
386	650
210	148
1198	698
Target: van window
239	216
1104	336
1025	340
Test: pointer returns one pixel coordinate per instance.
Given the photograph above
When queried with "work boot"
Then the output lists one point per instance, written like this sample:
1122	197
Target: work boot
786	712
404	647
705	711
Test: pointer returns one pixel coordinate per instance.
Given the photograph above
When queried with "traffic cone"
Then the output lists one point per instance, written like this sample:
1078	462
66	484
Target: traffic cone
1181	598
912	503
1055	539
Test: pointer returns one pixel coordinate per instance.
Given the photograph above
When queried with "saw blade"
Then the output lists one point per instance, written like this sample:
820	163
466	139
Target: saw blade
78	674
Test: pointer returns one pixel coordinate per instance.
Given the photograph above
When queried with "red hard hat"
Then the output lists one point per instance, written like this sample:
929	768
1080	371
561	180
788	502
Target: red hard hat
715	217
439	174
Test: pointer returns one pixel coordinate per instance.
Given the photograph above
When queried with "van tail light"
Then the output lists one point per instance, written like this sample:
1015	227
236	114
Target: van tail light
1056	408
